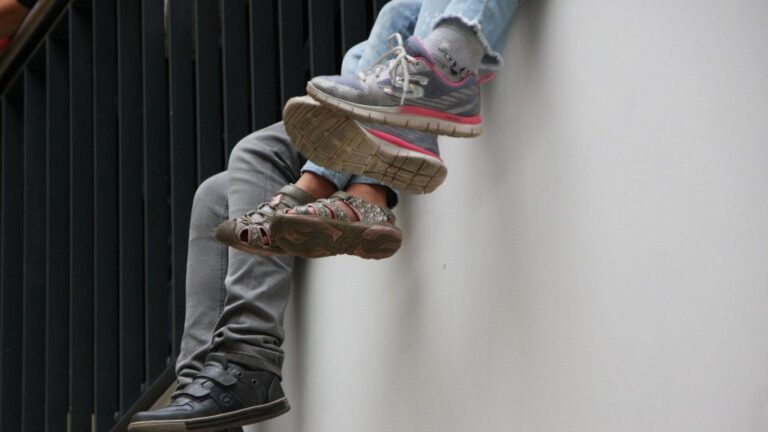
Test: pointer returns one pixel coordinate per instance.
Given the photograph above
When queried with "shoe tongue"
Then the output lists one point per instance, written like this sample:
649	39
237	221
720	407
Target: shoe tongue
415	48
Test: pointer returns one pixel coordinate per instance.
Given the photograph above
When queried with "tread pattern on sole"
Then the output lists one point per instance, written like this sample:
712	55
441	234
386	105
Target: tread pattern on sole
316	237
340	145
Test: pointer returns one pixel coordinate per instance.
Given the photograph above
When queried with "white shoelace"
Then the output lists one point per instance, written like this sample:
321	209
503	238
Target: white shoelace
394	65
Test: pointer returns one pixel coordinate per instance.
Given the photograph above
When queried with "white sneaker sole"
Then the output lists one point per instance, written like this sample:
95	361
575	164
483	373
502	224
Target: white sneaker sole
340	144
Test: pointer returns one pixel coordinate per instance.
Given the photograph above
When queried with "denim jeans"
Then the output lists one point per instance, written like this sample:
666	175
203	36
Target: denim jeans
488	18
236	301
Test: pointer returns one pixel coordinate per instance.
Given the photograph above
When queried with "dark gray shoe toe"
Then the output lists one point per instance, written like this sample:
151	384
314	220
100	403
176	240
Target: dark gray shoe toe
170	412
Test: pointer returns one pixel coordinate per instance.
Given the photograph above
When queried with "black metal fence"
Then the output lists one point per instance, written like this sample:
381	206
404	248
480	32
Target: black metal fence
111	113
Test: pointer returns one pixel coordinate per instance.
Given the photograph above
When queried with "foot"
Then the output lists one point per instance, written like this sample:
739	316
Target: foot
405	89
403	159
251	232
340	225
223	395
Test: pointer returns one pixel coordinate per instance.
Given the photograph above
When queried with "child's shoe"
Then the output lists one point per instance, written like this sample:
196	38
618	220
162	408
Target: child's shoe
251	232
407	91
403	159
339	225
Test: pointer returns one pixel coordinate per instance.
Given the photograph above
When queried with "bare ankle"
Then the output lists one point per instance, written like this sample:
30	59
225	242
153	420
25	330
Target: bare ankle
316	185
374	194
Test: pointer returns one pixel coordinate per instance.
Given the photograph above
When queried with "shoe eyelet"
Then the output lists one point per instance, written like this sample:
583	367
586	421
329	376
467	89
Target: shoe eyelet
253	381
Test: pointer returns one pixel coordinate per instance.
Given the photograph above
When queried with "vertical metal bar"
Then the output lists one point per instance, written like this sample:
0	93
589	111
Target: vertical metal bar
11	252
182	155
33	385
293	70
2	308
106	311
2	124
265	64
210	153
378	5
353	27
235	63
157	215
322	49
131	203
81	257
57	236
375	8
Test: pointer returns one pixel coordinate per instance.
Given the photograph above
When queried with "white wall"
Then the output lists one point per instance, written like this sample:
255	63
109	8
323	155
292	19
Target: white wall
597	261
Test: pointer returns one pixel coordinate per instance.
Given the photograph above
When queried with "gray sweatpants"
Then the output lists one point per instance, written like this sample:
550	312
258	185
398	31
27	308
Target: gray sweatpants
236	301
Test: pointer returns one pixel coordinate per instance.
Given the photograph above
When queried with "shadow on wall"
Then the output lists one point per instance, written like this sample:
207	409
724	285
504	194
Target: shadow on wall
594	262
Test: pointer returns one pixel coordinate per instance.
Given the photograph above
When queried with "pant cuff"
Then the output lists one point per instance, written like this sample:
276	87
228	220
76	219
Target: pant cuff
252	361
339	179
492	60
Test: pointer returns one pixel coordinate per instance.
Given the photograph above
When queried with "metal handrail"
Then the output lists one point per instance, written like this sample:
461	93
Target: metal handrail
148	397
29	35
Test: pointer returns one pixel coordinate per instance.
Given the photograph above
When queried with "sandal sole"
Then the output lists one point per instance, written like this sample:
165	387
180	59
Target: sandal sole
216	422
316	237
339	144
392	117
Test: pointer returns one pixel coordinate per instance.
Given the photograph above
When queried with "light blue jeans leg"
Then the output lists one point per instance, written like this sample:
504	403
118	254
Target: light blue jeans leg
488	18
397	16
339	179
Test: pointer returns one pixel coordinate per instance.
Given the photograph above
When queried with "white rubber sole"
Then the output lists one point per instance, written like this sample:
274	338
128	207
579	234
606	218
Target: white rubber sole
392	117
340	144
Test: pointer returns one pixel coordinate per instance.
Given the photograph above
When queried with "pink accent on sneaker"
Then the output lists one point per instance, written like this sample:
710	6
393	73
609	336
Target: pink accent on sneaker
442	77
429	61
426	112
486	78
401	143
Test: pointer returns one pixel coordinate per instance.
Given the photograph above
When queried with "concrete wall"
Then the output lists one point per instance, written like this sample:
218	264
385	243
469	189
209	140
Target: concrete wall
597	261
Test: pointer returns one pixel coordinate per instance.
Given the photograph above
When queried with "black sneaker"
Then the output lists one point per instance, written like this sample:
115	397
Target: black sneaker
222	395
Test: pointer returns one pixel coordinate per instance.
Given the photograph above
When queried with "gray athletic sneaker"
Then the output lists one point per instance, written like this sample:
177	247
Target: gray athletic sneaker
405	88
403	159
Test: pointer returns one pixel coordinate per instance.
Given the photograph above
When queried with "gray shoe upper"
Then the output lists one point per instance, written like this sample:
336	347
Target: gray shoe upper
424	140
383	84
